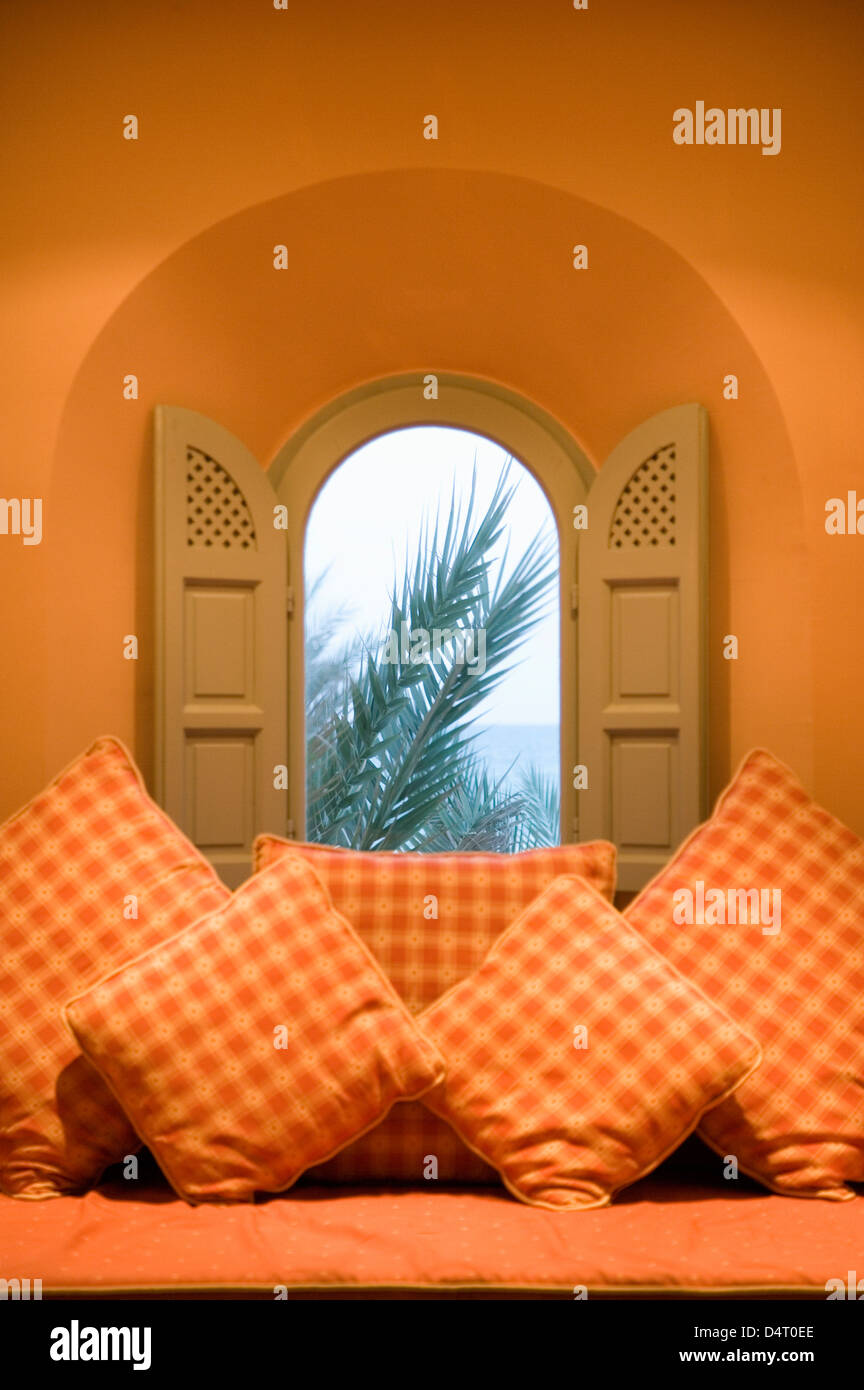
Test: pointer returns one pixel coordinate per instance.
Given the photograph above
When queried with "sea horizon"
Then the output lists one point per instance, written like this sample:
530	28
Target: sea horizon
509	749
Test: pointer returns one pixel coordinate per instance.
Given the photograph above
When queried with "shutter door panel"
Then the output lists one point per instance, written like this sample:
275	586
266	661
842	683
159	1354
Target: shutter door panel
221	640
642	596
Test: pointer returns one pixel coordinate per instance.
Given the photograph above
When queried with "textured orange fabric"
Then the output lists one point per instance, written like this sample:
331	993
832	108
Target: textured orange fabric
797	1124
429	919
569	1116
726	1237
258	1041
91	873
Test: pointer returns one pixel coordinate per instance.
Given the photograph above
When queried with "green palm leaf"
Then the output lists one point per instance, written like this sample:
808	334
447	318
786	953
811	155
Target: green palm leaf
540	820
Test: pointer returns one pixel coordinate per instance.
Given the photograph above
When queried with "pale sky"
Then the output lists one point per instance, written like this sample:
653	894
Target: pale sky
375	502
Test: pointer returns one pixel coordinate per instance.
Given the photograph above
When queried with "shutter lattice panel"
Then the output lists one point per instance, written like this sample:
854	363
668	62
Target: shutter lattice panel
216	510
645	514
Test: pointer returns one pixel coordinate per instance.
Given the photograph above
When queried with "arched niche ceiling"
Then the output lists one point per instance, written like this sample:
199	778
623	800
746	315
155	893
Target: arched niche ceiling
412	271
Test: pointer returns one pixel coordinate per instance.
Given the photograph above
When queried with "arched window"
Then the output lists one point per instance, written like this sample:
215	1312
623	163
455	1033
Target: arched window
432	645
232	592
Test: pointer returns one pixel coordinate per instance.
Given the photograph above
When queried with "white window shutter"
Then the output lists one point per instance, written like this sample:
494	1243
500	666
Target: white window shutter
642	643
221	618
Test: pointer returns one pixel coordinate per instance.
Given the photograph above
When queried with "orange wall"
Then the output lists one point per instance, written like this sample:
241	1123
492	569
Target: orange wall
304	127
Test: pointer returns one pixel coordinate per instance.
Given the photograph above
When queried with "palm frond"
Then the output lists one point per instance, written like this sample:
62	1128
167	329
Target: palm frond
479	814
540	796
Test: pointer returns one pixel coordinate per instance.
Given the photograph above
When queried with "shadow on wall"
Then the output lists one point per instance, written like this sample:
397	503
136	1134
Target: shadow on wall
421	271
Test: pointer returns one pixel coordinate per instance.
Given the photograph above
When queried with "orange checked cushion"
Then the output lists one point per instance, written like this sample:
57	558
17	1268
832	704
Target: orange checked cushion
258	1041
429	919
795	981
577	1057
91	873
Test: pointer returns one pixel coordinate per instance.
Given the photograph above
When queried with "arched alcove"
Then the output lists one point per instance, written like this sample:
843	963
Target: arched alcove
410	272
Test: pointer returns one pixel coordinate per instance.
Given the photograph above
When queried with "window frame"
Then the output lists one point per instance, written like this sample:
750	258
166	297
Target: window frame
535	439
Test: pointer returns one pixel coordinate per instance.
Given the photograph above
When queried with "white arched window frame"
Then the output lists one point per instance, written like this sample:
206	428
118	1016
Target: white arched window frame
230	619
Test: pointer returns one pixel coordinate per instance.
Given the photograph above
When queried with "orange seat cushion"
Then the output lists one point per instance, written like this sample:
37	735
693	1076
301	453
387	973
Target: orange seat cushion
657	1239
795	982
91	874
258	1041
429	919
577	1057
